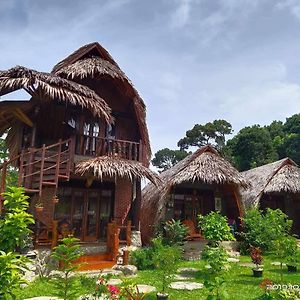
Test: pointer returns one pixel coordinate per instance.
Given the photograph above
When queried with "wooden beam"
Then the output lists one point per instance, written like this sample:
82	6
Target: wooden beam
22	117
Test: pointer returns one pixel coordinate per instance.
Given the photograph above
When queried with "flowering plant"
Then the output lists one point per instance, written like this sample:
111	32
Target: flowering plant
104	290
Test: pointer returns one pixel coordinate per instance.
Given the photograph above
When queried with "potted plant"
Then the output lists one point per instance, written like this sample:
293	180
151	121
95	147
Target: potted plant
39	207
165	261
256	256
55	199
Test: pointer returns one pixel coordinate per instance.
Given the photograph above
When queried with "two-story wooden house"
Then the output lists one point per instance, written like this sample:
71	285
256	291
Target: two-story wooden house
82	139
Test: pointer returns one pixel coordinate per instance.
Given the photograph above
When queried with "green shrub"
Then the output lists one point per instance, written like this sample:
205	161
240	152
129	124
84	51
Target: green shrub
142	258
215	228
13	231
261	230
14	225
216	257
66	286
165	261
11	266
174	232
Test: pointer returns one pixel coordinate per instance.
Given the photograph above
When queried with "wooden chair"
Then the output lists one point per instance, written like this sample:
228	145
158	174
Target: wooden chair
192	232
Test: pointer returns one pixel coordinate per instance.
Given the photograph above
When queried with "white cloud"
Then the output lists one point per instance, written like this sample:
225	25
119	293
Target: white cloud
180	17
292	5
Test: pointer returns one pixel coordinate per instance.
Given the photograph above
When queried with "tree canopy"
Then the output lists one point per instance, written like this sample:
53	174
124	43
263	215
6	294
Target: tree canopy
251	147
166	158
210	133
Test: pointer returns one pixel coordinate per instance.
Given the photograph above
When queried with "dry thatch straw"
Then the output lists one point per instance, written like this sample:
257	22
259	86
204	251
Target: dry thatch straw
205	165
48	86
93	61
91	67
209	168
282	176
108	166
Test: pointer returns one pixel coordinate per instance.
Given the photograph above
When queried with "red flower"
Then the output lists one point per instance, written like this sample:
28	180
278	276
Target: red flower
113	289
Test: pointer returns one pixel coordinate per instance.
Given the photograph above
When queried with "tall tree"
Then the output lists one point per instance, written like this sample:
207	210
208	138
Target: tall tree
252	147
210	133
166	158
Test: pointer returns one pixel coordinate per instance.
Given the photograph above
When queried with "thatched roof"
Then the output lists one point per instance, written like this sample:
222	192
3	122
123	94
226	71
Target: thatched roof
93	61
113	167
14	110
204	165
92	48
45	86
282	176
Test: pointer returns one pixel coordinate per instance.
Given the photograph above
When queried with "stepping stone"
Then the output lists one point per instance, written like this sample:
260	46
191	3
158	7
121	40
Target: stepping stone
249	265
207	266
145	289
114	281
277	263
187	270
233	260
43	298
185	285
111	272
183	277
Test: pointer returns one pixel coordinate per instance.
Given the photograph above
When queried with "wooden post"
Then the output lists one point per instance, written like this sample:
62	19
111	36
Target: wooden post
125	257
136	209
21	169
42	170
58	162
128	233
54	234
3	184
33	135
140	158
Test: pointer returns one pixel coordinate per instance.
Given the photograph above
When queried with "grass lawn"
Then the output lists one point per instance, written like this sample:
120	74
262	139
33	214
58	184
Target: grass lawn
240	284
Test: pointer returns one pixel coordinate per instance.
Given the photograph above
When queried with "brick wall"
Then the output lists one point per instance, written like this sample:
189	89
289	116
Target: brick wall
47	214
123	199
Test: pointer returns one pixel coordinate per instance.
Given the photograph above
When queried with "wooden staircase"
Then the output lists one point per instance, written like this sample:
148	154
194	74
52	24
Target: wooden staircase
41	167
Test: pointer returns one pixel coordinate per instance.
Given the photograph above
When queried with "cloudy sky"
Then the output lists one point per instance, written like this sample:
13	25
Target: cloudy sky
192	61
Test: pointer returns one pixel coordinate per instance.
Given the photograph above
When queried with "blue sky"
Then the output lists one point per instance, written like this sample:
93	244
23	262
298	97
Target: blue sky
192	61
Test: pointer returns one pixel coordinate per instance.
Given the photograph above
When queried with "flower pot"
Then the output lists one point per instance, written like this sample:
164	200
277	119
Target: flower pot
257	272
291	268
39	209
162	296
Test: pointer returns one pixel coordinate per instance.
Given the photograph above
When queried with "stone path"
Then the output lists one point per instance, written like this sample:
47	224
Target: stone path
277	263
233	260
43	298
145	289
186	285
249	265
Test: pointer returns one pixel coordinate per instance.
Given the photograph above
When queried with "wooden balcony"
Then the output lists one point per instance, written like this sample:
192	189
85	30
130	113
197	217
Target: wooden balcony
98	146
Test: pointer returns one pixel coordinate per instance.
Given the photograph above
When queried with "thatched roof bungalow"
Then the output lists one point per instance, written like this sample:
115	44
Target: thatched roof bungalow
275	185
199	184
81	137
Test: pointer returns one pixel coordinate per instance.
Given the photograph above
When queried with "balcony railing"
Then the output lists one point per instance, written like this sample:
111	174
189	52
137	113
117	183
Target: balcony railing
98	146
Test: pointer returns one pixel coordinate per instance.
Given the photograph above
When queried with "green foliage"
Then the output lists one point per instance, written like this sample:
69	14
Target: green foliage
11	266
14	225
142	258
215	227
65	253
216	292
261	230
165	261
166	158
210	133
216	258
174	232
252	147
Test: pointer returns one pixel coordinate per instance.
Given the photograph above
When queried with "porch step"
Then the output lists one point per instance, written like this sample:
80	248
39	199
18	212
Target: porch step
97	265
96	261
